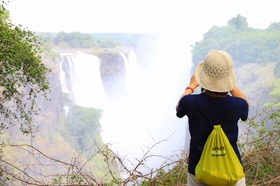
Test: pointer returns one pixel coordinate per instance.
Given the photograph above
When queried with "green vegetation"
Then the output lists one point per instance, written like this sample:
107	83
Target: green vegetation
82	124
175	176
245	44
96	40
79	157
274	95
261	148
23	75
81	129
75	40
255	53
25	84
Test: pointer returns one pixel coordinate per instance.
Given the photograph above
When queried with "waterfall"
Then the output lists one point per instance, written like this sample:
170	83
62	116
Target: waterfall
131	70
145	114
80	78
67	74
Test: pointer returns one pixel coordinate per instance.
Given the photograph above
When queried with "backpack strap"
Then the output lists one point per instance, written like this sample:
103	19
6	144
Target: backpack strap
205	115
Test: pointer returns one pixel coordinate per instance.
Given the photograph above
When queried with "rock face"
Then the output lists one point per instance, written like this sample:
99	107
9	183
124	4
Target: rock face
112	71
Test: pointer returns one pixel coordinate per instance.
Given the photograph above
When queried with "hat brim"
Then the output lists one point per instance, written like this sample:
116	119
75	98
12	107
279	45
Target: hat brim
214	84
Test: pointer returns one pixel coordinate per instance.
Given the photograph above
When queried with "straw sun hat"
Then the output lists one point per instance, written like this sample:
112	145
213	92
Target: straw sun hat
215	73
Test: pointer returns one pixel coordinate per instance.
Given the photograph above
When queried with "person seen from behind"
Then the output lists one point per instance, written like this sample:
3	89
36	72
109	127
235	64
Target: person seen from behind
219	98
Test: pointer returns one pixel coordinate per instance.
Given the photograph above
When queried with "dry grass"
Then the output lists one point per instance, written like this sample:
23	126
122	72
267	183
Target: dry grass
262	166
261	156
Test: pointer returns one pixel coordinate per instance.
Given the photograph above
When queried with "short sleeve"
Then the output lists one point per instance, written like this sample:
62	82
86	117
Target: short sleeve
181	109
183	106
244	108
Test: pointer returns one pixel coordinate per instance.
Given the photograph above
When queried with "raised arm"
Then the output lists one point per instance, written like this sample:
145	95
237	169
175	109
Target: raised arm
190	89
237	93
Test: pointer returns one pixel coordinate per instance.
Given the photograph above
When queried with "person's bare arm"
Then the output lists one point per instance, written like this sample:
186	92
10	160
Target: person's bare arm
193	84
237	93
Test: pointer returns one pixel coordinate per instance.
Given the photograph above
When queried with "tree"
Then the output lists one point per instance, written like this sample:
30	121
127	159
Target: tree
274	95
83	126
239	22
23	76
246	45
274	27
75	40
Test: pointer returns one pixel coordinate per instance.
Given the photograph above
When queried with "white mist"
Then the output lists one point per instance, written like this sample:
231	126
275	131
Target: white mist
145	115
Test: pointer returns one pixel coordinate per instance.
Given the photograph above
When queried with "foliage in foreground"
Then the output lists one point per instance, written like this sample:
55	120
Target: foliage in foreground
176	176
23	76
259	145
262	144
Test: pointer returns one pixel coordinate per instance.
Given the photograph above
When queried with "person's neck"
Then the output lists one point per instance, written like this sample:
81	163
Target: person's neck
216	94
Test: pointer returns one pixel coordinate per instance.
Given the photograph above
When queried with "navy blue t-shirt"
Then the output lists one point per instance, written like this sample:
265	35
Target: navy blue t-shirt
217	110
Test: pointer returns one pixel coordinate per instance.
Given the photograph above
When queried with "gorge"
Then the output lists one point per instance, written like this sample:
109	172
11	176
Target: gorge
138	107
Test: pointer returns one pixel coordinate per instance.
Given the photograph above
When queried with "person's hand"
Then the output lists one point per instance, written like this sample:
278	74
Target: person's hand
190	89
193	82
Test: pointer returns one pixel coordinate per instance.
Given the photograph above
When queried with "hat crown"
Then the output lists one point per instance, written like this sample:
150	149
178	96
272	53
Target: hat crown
218	64
215	73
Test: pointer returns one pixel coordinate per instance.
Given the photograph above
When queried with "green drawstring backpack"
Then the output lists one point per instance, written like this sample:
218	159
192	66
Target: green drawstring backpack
218	164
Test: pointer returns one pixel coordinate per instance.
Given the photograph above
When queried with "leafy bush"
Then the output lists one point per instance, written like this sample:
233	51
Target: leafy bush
261	148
